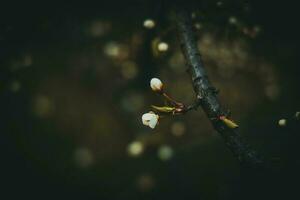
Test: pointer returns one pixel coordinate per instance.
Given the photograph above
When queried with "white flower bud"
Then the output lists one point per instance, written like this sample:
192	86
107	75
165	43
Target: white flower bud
162	46
149	23
156	84
282	122
150	119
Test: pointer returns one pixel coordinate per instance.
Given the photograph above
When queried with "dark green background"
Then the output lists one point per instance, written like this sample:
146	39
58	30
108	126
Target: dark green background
93	106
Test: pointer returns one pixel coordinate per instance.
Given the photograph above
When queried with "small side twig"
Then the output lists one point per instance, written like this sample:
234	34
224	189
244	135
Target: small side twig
193	106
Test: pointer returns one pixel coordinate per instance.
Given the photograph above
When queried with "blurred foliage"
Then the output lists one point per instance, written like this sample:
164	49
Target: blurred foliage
74	84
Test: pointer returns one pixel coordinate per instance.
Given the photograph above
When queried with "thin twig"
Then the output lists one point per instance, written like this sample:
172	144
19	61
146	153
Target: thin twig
171	100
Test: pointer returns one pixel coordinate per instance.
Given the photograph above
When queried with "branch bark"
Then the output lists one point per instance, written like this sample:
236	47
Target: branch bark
207	94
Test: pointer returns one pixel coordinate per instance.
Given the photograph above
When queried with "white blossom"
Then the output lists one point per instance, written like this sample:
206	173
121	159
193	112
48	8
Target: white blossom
149	23
162	46
150	119
282	122
156	84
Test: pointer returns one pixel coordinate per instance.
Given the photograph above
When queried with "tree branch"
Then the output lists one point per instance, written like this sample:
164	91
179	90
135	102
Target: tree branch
207	94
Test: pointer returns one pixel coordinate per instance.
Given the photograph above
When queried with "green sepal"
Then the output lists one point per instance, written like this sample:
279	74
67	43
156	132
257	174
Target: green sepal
164	109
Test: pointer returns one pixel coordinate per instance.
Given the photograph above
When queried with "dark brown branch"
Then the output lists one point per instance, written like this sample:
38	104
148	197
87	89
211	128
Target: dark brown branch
207	94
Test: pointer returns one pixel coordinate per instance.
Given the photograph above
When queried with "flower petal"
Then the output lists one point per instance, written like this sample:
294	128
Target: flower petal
147	117
153	122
